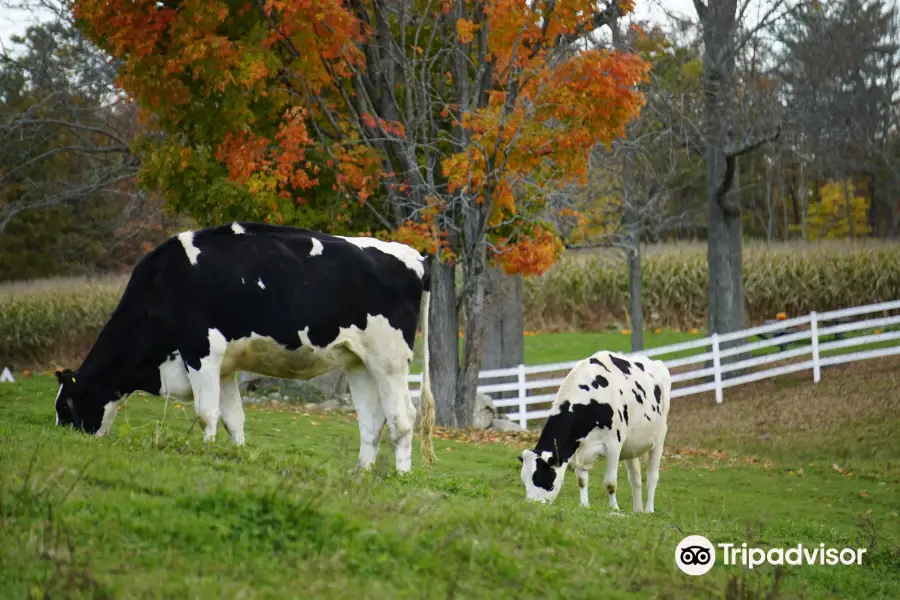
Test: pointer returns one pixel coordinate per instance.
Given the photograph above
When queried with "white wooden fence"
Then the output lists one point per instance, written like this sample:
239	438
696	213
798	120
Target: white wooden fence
827	339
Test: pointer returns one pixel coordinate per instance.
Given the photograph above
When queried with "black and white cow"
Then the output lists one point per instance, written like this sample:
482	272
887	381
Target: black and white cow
277	301
608	405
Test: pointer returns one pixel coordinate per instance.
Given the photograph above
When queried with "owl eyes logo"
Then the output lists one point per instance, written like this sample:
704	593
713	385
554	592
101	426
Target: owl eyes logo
695	555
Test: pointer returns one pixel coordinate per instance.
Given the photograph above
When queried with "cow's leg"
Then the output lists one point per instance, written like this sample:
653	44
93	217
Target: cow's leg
582	475
653	471
232	409
366	401
612	473
393	387
205	381
633	467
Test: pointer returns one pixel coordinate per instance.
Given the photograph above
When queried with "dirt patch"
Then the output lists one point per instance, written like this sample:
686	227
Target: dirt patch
868	390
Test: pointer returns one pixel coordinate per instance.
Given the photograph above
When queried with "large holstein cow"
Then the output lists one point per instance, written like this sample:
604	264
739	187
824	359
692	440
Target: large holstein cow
608	405
278	301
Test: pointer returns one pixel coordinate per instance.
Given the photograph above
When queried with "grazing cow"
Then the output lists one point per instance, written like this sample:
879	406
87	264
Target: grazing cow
608	405
278	301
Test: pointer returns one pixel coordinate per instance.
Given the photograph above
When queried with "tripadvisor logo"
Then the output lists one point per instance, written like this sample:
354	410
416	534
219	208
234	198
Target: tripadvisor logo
696	555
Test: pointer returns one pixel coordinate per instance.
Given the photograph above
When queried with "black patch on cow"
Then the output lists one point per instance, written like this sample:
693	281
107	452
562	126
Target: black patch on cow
637	397
621	418
581	386
640	366
657	393
625	408
170	304
562	431
638	385
599	382
597	362
621	364
621	393
648	417
618	436
544	475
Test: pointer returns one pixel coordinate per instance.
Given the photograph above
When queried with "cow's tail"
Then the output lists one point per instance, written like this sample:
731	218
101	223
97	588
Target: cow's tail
426	403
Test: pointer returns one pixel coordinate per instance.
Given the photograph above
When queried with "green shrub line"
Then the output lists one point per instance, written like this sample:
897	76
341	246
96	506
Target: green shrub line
47	323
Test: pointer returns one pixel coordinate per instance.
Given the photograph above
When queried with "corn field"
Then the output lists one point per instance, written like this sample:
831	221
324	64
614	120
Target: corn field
588	291
52	322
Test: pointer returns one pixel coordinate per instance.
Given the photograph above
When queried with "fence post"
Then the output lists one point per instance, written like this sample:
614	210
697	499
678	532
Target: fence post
522	395
717	367
814	340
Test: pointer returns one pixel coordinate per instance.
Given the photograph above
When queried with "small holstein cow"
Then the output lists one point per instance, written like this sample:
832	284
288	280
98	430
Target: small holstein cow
608	405
278	301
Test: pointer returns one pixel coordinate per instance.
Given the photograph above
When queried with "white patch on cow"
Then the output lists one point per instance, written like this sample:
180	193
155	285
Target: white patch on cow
173	379
236	228
109	415
58	394
317	248
644	432
242	281
206	384
260	283
187	240
406	254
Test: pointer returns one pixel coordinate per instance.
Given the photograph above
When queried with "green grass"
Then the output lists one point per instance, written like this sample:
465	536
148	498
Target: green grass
150	512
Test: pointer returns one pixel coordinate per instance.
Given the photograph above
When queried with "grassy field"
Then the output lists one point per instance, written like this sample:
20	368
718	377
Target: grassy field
149	512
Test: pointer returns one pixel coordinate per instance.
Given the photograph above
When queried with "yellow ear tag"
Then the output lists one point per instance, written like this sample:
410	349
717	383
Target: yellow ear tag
73	380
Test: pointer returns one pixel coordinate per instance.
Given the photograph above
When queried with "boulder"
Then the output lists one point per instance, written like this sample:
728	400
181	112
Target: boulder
506	425
319	389
485	411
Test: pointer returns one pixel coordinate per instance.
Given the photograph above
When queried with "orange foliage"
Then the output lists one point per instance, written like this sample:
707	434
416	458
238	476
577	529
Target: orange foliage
278	83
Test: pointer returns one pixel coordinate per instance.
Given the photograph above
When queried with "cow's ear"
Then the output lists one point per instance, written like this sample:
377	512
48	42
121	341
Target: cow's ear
63	376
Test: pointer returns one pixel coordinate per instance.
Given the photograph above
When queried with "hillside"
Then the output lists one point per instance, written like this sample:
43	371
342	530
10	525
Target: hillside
148	512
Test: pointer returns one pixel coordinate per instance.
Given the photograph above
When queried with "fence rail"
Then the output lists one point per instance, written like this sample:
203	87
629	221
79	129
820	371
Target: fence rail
707	354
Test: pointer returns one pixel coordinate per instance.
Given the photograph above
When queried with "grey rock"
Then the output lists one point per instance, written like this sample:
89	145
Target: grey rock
319	389
332	404
505	425
485	411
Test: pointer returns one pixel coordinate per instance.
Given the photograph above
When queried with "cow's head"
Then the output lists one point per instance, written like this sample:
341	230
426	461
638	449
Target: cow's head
78	404
542	475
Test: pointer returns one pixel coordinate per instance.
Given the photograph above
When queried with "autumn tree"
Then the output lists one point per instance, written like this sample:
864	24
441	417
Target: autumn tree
445	120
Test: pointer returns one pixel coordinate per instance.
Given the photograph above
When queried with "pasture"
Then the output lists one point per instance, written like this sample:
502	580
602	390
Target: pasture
149	512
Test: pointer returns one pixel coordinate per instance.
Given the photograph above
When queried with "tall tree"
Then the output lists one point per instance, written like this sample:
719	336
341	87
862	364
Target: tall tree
725	32
457	113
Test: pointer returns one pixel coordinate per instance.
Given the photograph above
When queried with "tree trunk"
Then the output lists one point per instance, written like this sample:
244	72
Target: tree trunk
724	241
504	341
724	253
849	209
786	224
637	312
474	276
633	251
770	211
444	343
